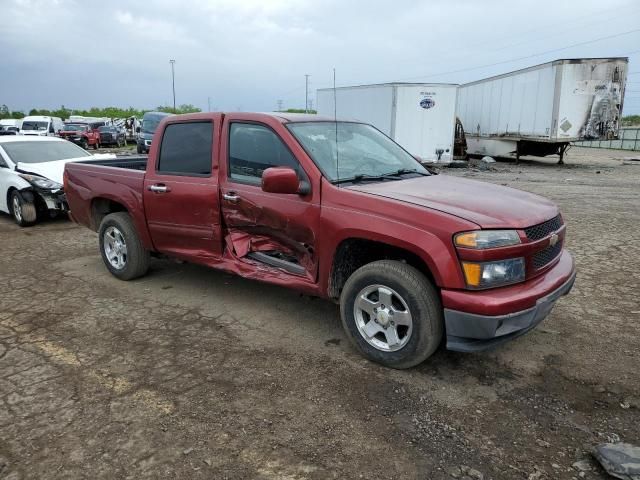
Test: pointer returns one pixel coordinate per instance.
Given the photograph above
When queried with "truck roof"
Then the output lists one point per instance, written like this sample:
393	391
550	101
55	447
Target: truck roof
283	117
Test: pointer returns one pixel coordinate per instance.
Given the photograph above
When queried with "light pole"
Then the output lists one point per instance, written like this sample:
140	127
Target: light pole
173	83
306	93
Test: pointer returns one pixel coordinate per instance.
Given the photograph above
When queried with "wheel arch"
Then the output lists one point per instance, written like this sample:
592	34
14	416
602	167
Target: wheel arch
101	207
353	252
104	205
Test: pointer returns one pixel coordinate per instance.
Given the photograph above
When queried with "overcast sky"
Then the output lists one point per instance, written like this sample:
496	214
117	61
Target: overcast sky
248	54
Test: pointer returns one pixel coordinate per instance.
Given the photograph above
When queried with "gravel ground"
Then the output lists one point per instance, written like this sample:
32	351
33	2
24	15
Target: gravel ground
192	373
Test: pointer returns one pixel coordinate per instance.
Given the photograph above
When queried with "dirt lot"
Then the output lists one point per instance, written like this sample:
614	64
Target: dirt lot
190	373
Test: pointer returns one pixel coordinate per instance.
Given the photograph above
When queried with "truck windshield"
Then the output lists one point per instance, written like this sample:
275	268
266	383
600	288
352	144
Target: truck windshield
362	151
40	152
33	125
149	125
73	128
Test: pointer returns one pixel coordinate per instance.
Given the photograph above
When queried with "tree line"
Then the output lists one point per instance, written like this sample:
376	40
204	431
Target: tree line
107	112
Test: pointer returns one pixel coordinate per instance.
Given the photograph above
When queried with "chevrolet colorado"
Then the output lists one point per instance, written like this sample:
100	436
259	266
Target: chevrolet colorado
338	210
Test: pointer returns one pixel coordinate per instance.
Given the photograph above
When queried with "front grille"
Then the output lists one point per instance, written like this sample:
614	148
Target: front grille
544	257
543	229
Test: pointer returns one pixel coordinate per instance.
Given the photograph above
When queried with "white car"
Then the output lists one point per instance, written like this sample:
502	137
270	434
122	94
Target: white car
31	171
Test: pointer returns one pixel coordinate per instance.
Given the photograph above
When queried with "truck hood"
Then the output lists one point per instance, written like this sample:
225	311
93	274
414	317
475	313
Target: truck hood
55	170
486	204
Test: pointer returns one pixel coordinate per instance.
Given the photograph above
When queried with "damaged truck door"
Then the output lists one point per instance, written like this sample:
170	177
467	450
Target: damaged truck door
268	205
181	192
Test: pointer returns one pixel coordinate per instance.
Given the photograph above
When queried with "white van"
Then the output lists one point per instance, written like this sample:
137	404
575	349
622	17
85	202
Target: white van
41	125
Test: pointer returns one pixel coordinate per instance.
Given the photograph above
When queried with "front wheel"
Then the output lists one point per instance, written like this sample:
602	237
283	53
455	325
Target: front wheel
392	313
121	248
23	209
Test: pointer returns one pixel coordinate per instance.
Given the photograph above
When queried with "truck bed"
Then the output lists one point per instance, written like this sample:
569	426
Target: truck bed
131	162
106	180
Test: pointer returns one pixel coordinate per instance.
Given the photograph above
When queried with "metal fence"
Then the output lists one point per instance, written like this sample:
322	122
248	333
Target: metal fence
628	139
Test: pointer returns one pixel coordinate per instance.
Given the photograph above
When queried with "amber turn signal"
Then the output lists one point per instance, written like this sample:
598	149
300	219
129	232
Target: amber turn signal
472	273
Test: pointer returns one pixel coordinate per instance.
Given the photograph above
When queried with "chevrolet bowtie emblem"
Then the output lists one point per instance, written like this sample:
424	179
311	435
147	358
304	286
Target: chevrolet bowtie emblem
553	240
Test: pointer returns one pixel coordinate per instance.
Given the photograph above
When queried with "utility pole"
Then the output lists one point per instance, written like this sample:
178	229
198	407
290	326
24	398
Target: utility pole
173	83
209	103
306	93
311	104
279	105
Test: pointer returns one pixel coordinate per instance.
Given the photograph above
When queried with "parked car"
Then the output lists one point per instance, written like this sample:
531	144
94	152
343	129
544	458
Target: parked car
112	135
6	130
336	210
150	122
31	171
40	125
81	134
12	123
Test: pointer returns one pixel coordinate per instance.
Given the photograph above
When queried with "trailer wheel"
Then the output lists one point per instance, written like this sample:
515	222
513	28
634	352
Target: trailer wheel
23	209
392	313
122	252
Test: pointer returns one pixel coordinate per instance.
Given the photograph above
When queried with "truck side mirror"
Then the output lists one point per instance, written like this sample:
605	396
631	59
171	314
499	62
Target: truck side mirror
283	180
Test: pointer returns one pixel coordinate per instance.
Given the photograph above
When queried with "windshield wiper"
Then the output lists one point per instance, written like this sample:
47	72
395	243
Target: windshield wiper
359	178
404	171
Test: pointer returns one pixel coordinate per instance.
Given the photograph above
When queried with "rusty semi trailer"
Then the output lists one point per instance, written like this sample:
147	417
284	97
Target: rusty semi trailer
539	110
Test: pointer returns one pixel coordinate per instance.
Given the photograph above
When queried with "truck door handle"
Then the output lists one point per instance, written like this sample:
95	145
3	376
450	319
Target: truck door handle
159	188
231	197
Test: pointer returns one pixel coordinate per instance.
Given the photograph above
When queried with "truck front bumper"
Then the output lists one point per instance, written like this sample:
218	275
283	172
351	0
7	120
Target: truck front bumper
471	332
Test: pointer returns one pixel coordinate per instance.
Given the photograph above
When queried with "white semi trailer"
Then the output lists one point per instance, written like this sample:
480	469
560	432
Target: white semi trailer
419	116
541	109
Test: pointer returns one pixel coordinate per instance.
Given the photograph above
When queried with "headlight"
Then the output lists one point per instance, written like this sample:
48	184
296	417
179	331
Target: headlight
482	239
493	274
41	182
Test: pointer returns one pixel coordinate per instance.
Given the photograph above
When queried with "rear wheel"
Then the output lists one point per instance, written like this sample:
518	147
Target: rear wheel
122	252
392	313
23	210
96	145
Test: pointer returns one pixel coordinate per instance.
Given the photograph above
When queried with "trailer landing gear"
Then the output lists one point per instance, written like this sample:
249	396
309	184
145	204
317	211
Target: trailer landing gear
563	148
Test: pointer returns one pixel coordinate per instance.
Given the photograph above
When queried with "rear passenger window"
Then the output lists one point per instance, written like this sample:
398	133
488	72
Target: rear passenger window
186	149
253	149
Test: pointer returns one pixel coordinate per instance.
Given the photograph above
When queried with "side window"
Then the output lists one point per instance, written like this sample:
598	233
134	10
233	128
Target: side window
253	149
186	149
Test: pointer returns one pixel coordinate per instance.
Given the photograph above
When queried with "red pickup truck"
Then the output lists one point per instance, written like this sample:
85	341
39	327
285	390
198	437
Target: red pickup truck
336	210
83	134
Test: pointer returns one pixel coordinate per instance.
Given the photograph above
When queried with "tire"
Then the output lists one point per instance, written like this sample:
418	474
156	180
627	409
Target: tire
96	145
23	209
410	292
134	262
84	144
139	149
